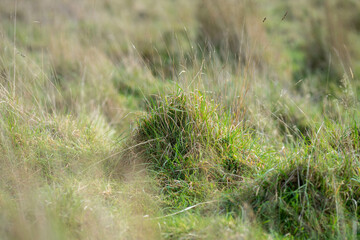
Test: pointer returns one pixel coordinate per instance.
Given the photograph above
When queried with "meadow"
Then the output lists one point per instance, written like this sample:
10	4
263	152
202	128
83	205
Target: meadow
181	119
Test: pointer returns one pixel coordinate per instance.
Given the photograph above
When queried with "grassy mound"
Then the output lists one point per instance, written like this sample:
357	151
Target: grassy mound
344	141
191	148
301	201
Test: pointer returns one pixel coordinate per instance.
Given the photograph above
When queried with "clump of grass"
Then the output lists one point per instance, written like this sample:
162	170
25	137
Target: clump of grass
192	150
343	146
299	200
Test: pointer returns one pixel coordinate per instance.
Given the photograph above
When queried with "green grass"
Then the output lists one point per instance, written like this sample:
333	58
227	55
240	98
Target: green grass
191	149
179	119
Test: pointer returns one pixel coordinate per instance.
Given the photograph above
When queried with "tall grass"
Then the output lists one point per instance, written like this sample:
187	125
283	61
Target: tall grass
179	119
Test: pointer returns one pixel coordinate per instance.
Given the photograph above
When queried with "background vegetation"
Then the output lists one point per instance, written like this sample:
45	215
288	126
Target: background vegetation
206	119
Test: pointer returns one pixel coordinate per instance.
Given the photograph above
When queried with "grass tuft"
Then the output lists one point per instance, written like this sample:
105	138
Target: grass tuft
191	149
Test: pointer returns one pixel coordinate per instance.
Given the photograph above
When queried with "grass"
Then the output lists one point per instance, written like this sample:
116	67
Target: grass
191	149
179	120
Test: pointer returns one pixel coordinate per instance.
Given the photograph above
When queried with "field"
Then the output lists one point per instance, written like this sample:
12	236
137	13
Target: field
181	119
